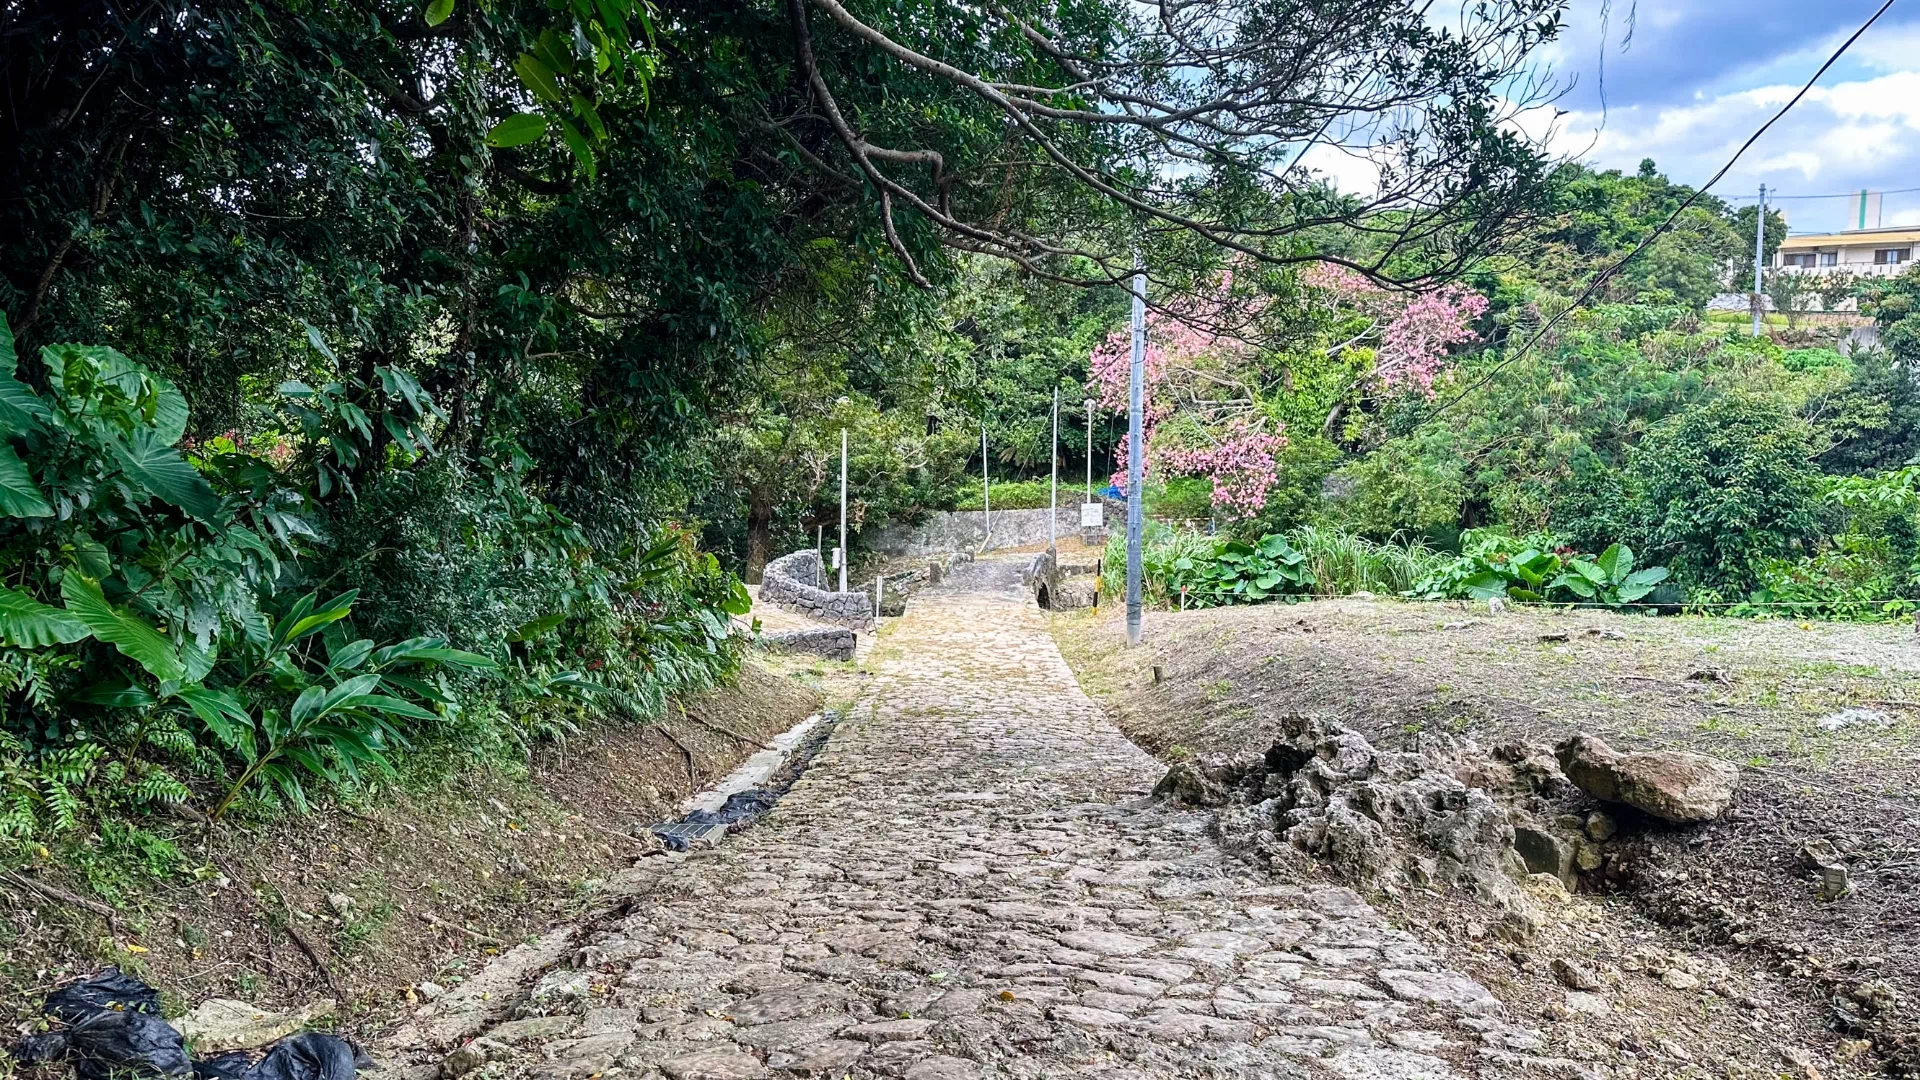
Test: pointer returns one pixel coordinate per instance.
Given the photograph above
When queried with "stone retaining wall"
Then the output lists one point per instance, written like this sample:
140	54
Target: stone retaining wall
793	582
966	530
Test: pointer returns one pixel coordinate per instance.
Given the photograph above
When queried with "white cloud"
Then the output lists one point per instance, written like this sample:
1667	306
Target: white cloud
1855	134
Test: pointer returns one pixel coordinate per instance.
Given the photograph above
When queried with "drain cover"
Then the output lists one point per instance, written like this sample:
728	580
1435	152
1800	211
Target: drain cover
692	832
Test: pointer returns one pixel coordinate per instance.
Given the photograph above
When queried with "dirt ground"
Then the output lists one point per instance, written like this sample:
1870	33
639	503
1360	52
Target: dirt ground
1824	720
422	884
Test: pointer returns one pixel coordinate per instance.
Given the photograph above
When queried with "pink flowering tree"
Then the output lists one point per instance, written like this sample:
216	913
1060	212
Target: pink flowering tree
1413	333
1193	371
1204	414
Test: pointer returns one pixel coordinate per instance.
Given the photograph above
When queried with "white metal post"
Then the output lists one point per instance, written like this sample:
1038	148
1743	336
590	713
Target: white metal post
1053	488
843	509
1136	450
986	489
1089	449
1759	248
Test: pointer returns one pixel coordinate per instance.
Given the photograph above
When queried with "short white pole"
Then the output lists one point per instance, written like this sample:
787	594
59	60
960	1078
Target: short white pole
843	509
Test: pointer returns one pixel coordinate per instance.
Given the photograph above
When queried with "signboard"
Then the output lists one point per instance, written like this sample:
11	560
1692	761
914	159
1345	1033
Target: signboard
1093	515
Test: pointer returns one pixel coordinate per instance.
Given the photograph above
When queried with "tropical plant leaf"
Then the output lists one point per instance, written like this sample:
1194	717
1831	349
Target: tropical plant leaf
224	716
21	410
438	11
27	623
517	130
136	639
19	495
1616	561
533	628
161	470
430	650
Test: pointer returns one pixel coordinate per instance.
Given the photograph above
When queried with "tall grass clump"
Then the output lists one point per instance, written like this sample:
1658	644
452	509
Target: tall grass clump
1344	563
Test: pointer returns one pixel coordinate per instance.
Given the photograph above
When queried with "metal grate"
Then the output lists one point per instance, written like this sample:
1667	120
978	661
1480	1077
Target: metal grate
692	832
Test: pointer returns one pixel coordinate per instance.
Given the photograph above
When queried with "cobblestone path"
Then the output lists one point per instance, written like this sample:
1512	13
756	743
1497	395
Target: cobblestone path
968	883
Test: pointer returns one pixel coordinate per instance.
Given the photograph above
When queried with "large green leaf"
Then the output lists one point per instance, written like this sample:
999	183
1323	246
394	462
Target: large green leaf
136	639
160	469
27	623
430	651
1616	561
224	716
9	359
19	495
1640	583
1485	585
438	10
21	410
517	130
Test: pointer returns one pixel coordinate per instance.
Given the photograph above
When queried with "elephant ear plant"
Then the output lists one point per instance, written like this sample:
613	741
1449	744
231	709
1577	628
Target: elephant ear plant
1531	570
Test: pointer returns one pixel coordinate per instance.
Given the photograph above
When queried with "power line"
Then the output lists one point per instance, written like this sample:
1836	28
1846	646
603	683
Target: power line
1843	195
1600	278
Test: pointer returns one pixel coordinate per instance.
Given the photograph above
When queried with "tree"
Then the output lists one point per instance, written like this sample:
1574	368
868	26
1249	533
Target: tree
1787	290
1725	486
1201	119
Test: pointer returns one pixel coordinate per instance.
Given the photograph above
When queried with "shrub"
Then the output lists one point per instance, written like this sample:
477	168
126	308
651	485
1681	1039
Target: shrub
1724	487
1534	569
1016	495
161	640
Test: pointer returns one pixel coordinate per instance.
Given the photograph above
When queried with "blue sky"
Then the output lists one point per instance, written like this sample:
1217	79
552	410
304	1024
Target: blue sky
1699	76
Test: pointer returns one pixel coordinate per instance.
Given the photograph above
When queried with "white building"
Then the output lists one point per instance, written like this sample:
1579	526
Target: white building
1871	252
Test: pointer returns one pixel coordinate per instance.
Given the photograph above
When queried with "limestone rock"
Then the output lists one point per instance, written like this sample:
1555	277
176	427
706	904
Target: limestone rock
220	1024
1383	820
1575	976
1668	784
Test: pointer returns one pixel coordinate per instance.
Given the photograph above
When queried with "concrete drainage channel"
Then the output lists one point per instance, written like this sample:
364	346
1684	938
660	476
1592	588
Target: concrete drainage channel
747	793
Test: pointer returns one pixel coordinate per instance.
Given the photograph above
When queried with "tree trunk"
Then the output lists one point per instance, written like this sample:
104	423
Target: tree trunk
759	528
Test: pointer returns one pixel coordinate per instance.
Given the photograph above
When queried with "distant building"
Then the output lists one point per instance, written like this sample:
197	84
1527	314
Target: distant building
1873	252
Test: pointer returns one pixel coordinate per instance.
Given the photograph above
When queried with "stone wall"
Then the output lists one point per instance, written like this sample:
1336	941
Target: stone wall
962	530
793	582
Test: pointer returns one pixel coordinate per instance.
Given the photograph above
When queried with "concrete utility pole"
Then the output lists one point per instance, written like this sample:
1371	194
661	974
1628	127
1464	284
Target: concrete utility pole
1053	482
1759	250
1089	449
842	556
1136	450
986	489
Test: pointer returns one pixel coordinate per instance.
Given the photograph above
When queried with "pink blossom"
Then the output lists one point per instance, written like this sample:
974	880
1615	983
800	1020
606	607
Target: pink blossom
1415	344
1243	466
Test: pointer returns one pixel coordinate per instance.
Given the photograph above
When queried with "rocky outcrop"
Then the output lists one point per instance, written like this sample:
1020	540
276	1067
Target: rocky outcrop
793	582
1668	784
1384	820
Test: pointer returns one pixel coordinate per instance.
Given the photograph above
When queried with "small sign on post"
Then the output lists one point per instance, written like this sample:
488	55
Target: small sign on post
1093	515
836	559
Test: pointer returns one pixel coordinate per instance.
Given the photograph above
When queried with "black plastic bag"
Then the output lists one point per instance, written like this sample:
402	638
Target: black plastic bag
310	1057
111	990
111	1030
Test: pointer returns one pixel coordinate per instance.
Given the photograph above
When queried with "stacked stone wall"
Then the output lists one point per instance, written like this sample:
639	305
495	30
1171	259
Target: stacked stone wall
793	583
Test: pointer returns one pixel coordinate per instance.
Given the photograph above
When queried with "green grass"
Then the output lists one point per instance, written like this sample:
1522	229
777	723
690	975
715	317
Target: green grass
1343	563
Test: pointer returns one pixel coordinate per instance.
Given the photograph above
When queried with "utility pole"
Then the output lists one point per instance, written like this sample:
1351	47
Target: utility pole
1759	250
1136	449
986	489
1053	481
842	556
1089	449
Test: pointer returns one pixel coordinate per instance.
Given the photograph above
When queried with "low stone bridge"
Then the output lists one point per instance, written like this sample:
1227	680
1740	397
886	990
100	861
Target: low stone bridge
1061	585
